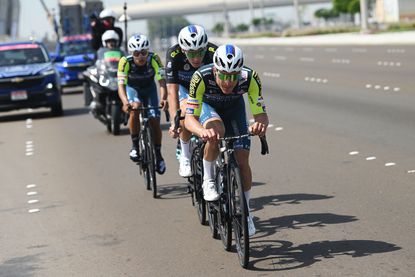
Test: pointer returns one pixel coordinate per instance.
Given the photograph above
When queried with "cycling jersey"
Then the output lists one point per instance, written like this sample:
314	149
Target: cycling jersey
204	89
179	70
140	76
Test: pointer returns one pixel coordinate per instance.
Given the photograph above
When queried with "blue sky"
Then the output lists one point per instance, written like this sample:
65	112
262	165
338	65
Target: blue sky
33	20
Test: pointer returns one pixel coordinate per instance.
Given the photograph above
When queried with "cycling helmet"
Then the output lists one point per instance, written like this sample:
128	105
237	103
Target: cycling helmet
228	58
138	43
108	35
192	37
107	13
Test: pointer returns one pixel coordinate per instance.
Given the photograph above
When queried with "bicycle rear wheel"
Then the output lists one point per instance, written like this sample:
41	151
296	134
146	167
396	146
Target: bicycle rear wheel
151	162
239	216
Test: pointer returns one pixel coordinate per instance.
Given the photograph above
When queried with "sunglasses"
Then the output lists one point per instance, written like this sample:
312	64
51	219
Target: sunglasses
143	52
228	77
195	53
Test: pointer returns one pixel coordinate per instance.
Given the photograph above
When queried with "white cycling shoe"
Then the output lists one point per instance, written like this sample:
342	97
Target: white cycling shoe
251	226
209	190
184	167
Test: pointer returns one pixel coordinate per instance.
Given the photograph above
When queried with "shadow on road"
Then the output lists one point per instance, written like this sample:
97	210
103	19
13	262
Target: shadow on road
276	200
283	255
21	266
172	191
271	226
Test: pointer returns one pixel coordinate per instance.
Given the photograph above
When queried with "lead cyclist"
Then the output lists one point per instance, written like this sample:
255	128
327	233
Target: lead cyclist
215	108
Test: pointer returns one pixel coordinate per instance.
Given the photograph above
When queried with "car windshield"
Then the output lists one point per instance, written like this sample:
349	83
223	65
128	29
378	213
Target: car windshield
21	54
76	48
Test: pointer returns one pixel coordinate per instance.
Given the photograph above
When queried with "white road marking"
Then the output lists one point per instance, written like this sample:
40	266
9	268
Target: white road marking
34	211
368	86
396	89
279	129
259	57
29	126
386	88
29	153
33	201
270	125
306	59
370	158
344	61
282	58
359	50
377	87
29	121
29	142
31	186
325	81
411	171
390	164
30	193
352	153
271	74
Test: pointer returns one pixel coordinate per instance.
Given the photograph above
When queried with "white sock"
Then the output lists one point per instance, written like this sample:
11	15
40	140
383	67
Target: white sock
248	197
185	148
207	170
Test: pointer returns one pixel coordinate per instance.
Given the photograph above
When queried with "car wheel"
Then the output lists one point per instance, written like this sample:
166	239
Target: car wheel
57	109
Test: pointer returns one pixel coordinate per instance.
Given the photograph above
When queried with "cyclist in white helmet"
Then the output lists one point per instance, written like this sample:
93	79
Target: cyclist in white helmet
183	59
136	87
105	22
215	108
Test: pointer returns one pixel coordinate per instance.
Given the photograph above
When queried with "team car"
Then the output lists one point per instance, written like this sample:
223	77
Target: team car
73	55
28	79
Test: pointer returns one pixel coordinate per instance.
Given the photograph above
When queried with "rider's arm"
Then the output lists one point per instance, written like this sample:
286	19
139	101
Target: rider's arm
122	75
257	106
194	104
172	83
159	70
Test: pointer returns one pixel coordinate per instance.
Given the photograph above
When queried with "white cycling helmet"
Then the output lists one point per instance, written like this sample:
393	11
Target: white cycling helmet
192	37
228	58
138	43
107	13
108	35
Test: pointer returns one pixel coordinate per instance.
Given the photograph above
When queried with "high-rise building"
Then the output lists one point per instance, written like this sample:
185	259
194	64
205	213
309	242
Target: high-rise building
9	18
74	15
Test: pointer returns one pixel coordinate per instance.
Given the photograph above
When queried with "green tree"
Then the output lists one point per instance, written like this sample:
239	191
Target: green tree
256	22
354	7
341	5
218	28
242	28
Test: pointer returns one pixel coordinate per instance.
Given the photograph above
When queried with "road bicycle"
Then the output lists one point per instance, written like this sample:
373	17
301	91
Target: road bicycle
229	213
147	151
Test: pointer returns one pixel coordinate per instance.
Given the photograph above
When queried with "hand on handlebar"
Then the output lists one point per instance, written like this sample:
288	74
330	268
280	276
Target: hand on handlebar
209	135
164	104
126	107
258	129
174	133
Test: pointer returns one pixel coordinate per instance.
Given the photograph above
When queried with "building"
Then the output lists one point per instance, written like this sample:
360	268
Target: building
9	18
389	11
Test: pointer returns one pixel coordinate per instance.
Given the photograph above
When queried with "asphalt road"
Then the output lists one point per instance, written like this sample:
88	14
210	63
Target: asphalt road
334	198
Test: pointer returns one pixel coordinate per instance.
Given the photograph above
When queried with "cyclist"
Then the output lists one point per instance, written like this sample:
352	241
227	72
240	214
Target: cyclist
136	86
216	108
192	51
99	26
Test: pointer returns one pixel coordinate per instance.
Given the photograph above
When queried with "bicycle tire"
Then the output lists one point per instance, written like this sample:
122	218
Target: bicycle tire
213	220
224	222
151	162
144	159
239	216
196	163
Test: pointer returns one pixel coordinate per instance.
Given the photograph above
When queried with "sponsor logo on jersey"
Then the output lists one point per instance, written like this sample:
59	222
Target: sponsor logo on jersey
169	64
212	83
186	67
193	85
192	101
190	111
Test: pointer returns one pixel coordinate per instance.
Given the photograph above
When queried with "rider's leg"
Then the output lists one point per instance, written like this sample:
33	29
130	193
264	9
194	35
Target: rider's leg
134	123
185	169
185	135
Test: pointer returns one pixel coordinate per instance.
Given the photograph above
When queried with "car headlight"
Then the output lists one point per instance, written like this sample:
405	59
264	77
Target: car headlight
65	64
48	72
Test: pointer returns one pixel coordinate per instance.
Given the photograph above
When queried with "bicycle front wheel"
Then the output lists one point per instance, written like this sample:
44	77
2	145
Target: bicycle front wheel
239	216
151	152
144	159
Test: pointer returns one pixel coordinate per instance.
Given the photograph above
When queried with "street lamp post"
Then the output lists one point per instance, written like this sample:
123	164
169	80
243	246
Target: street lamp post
363	16
297	14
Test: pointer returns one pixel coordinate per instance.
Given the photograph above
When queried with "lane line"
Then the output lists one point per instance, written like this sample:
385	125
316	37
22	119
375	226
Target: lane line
31	193
31	186
352	153
31	211
33	201
390	164
370	158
